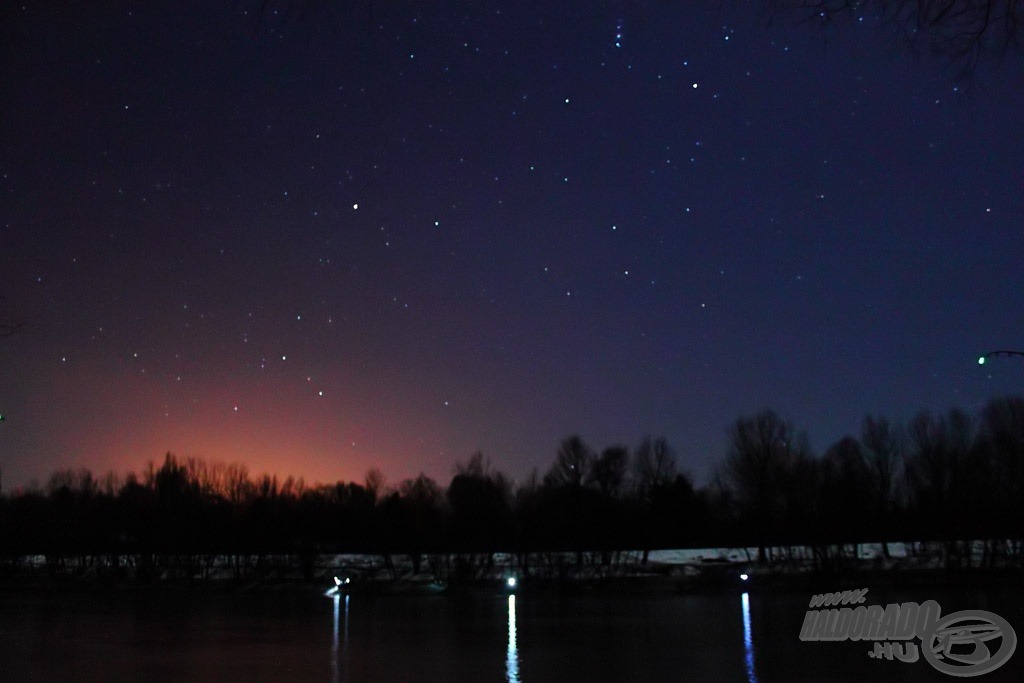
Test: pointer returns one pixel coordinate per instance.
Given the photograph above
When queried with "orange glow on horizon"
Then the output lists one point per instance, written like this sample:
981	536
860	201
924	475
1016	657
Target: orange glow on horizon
119	424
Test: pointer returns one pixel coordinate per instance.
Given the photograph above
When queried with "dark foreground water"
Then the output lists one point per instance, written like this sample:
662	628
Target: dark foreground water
169	636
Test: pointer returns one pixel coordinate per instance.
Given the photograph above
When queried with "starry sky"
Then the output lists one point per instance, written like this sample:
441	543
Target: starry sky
320	237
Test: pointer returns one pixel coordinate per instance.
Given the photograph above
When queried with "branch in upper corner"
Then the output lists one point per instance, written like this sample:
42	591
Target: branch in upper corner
962	31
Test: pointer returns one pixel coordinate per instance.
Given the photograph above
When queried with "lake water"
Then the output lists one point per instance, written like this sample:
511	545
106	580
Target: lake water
289	636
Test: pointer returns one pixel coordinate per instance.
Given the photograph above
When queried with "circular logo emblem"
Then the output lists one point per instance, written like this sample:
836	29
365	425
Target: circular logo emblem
961	644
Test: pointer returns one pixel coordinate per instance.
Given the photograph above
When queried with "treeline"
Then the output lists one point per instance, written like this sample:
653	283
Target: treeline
954	478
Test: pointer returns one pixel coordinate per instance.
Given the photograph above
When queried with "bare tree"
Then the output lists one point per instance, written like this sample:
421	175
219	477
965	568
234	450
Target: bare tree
1002	433
883	446
764	453
938	451
940	476
608	472
844	477
422	492
423	497
572	464
479	498
961	31
654	465
1002	427
477	466
374	483
238	487
9	325
80	481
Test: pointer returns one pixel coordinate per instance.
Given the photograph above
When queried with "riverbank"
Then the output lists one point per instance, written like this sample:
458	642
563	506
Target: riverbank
626	572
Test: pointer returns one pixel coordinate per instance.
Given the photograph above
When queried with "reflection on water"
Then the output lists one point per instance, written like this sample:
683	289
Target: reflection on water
340	636
168	636
748	640
512	654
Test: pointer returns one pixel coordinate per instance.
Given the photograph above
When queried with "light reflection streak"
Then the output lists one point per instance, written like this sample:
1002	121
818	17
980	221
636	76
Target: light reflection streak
512	654
748	640
340	636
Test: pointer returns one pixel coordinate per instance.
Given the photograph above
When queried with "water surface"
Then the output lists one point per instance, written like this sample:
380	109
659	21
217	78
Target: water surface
491	636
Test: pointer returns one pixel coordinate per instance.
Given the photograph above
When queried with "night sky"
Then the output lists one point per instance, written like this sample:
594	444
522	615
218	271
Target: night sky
325	237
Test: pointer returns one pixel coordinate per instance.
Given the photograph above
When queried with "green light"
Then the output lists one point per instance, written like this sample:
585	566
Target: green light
981	360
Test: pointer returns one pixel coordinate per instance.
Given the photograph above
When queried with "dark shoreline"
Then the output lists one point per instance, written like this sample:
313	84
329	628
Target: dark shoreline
661	581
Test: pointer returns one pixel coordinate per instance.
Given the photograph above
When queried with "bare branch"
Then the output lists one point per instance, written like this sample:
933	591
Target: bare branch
962	31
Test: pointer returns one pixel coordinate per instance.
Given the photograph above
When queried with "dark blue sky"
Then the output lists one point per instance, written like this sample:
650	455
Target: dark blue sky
345	236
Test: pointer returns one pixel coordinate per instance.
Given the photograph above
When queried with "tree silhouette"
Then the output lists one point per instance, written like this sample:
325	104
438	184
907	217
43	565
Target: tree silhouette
883	451
608	472
1002	430
374	483
844	482
479	499
764	453
997	477
415	516
569	510
964	483
961	31
654	465
677	515
572	464
9	325
940	475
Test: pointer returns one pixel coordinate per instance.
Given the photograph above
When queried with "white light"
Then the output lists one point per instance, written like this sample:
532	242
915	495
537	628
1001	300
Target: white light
511	582
744	577
748	639
512	652
337	581
981	360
